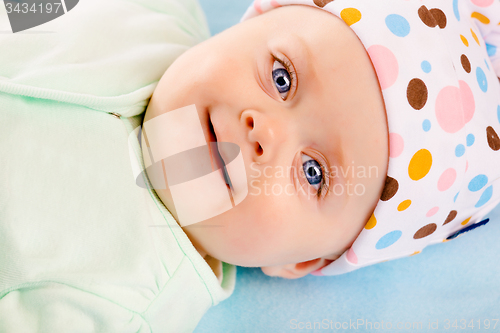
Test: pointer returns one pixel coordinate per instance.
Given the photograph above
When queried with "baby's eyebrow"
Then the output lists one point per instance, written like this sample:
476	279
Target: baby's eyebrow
303	45
301	54
335	155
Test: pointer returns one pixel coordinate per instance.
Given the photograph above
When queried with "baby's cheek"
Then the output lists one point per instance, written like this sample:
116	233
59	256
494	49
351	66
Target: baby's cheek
249	233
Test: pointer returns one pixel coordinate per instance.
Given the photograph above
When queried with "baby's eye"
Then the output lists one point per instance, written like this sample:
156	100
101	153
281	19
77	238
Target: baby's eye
282	79
312	170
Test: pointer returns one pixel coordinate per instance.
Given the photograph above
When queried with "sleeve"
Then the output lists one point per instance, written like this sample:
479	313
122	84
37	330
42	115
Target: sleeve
54	307
486	14
102	48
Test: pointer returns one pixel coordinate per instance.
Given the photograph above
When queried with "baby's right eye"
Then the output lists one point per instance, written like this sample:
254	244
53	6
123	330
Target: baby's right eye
282	79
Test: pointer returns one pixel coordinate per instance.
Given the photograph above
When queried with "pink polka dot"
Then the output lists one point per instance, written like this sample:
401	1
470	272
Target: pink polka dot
482	3
275	3
447	179
454	107
396	143
466	165
386	65
448	110
257	6
351	256
432	211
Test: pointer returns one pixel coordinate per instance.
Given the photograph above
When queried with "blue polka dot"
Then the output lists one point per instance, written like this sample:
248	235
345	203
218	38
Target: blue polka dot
470	140
459	150
481	79
478	183
426	125
426	66
491	49
486	63
398	25
455	9
485	197
455	198
388	239
498	113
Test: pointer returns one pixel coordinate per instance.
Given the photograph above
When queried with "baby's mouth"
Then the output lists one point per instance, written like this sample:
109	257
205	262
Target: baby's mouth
216	156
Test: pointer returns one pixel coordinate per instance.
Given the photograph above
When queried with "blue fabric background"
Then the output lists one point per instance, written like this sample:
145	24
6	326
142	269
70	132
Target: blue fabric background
222	14
457	280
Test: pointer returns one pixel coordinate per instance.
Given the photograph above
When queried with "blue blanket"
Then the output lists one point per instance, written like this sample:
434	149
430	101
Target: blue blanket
449	287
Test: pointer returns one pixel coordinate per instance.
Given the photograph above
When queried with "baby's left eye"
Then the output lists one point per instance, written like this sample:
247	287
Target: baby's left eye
312	170
282	79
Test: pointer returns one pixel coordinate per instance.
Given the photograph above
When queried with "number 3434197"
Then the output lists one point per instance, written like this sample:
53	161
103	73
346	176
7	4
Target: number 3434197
470	325
34	8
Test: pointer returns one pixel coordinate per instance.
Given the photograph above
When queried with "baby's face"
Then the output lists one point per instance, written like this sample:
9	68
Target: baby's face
296	91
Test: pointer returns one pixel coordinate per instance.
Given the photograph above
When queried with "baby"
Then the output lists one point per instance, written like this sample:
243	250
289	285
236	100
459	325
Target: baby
342	101
287	218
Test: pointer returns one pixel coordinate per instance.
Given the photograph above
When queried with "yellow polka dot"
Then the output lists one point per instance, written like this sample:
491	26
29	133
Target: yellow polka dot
464	40
475	37
445	240
416	252
466	221
350	15
420	164
403	205
483	19
371	222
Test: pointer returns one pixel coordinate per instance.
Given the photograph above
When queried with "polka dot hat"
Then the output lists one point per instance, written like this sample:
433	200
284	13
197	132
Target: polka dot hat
435	62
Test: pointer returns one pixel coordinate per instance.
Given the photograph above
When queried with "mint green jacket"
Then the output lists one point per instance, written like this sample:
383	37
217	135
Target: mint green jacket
82	247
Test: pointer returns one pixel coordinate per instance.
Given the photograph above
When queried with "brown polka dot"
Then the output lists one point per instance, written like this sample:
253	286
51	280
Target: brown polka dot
493	140
465	63
433	17
390	188
416	94
425	231
322	3
426	17
439	16
451	217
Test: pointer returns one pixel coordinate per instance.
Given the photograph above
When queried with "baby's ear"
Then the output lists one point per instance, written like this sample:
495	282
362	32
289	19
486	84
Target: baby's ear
295	271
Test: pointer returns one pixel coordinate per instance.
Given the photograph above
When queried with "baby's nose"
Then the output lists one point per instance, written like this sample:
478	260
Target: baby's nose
264	133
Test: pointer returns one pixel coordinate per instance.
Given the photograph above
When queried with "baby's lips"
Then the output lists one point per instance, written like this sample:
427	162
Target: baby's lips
201	198
178	151
235	166
198	189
